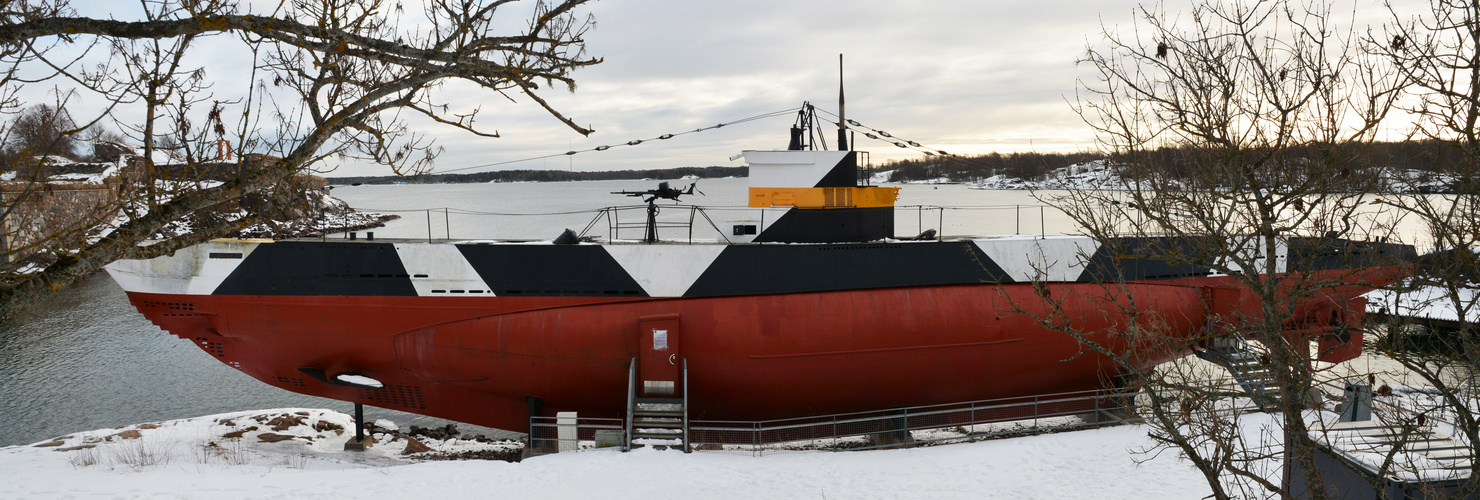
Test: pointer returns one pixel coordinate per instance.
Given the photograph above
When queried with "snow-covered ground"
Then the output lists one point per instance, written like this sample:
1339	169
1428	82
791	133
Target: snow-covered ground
1427	302
201	458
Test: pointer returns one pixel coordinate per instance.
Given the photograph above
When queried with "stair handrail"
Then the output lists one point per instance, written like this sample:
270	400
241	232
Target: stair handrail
1222	353
631	402
686	447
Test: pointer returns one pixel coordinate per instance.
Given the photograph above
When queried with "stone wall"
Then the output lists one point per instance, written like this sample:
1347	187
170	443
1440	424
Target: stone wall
60	212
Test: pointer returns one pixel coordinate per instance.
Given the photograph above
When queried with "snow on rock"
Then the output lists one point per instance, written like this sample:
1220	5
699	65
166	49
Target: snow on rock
223	456
881	177
331	215
1096	175
937	180
56	160
387	425
87	173
327	215
1002	182
1417	181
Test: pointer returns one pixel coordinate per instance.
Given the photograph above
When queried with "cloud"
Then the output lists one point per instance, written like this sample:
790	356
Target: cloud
974	76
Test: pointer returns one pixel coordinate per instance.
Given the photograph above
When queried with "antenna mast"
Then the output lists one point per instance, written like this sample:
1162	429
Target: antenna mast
842	114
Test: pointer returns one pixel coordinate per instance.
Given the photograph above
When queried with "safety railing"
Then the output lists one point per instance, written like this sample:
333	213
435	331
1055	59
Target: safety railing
636	221
693	223
900	426
924	214
569	433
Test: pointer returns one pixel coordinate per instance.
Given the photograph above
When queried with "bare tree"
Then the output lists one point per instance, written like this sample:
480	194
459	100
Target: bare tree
1437	50
329	80
40	131
1240	129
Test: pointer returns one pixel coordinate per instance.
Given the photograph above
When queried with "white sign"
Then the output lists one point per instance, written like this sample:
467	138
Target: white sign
660	340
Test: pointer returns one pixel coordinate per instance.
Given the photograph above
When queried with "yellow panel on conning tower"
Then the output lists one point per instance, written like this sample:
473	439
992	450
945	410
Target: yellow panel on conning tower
824	197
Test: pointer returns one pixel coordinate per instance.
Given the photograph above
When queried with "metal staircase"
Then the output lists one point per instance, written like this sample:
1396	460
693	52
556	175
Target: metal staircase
658	422
1244	363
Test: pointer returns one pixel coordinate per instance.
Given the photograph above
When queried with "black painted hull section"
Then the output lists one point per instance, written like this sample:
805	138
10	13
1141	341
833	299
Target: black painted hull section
826	225
321	268
551	271
308	268
777	269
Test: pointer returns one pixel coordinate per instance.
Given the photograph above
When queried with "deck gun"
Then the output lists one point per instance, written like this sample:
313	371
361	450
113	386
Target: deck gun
651	197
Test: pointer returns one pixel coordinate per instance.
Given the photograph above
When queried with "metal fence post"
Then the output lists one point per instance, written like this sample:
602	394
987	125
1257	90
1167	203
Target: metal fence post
1098	397
762	228
904	435
755	438
1037	406
835	430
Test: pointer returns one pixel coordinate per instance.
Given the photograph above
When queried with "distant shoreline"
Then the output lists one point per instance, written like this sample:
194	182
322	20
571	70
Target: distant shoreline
513	176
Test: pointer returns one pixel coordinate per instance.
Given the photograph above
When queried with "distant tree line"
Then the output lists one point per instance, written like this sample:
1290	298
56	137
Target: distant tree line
548	176
1424	156
972	168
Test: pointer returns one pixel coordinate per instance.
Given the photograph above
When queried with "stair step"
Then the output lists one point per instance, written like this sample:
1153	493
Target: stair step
657	424
658	444
671	401
659	406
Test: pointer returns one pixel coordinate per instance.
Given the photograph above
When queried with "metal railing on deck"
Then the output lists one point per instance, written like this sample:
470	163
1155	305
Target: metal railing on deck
939	211
630	222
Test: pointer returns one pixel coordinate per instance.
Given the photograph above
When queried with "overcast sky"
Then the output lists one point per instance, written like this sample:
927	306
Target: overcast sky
965	76
961	76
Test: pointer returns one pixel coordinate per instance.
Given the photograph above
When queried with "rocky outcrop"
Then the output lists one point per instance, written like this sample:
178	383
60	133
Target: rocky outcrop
414	445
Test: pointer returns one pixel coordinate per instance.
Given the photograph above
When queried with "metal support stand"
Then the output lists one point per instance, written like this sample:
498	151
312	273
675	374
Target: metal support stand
359	443
652	222
631	402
